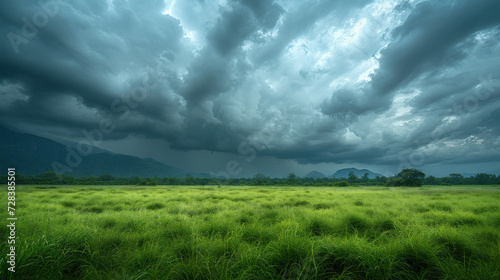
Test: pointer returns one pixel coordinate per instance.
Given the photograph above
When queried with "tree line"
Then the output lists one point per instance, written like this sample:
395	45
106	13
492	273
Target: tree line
407	177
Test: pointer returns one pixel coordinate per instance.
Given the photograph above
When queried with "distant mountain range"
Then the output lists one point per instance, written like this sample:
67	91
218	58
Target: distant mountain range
344	173
315	174
32	155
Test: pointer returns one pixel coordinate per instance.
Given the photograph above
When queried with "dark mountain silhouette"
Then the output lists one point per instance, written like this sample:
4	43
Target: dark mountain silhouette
32	155
344	173
315	174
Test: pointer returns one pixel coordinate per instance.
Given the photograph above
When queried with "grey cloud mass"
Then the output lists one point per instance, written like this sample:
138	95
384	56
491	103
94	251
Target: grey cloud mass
305	83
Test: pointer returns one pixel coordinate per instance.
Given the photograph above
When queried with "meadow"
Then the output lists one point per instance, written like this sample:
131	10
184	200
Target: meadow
187	232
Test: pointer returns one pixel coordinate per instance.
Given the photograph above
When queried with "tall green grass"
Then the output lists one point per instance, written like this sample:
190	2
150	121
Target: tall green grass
255	233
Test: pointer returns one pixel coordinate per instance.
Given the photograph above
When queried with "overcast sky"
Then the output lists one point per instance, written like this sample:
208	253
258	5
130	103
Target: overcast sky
248	86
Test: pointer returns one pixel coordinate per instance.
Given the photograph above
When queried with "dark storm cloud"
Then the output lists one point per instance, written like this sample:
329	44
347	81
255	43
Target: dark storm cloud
301	19
81	52
240	20
434	36
436	52
208	76
311	81
221	65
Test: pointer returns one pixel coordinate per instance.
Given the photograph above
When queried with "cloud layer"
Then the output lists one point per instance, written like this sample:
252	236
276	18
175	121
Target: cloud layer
402	83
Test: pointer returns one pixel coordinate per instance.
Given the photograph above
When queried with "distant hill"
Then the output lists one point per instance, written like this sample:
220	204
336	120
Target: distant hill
315	174
32	155
344	173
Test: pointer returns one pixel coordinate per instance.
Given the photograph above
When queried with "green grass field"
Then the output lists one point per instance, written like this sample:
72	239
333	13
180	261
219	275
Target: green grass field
163	232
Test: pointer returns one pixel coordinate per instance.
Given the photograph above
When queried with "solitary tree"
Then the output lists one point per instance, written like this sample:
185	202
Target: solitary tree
292	178
352	177
365	177
411	177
